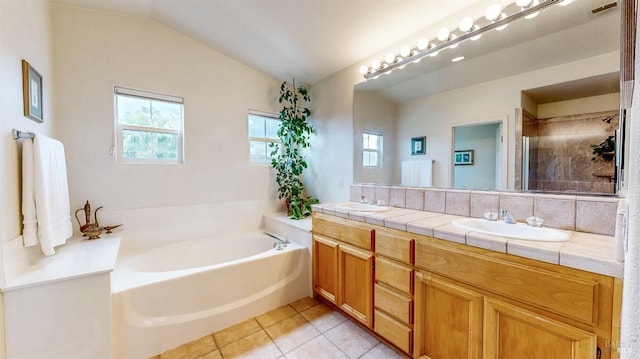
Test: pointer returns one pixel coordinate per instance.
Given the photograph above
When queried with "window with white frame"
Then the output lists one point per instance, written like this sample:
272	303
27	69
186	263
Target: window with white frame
371	148
263	131
149	127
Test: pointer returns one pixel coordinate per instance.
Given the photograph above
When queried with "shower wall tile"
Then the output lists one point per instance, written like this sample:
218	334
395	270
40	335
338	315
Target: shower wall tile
482	202
520	205
397	197
458	202
435	200
596	215
557	211
415	199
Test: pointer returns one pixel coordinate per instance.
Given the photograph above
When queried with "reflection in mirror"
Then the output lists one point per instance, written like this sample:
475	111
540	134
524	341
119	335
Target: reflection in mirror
562	65
477	156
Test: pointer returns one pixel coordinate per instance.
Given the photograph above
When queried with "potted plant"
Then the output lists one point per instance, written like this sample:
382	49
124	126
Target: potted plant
286	157
605	150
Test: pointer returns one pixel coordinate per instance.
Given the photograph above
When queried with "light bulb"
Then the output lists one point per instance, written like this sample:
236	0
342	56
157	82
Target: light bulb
493	12
466	24
531	16
523	3
452	37
405	51
364	69
500	28
434	54
476	27
375	64
443	34
390	58
423	44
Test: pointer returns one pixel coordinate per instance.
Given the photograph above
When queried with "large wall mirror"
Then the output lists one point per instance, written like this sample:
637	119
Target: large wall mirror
525	109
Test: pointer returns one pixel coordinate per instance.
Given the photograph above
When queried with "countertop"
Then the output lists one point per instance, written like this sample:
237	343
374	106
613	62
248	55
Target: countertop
79	257
585	251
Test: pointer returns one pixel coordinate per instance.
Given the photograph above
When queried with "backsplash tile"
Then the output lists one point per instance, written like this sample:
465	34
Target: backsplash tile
381	194
520	205
415	199
557	211
435	200
368	192
596	215
458	202
397	197
355	193
484	201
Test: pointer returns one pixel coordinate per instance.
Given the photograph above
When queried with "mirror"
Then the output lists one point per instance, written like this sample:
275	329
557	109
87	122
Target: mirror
560	67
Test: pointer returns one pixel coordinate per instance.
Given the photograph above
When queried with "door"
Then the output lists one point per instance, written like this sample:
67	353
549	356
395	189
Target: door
355	283
448	319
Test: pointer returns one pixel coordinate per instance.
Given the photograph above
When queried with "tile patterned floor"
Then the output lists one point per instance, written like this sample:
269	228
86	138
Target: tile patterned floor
305	329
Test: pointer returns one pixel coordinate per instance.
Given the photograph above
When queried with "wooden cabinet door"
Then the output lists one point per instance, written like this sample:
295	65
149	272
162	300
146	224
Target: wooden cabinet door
355	283
448	319
325	268
511	332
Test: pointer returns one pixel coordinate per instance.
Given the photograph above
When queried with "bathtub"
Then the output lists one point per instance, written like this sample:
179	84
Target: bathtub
178	292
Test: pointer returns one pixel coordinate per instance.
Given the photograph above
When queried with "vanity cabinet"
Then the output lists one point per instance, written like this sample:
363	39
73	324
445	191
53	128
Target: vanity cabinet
343	267
432	298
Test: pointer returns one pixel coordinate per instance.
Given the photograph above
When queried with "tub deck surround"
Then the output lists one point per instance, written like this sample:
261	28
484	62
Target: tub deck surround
585	251
79	257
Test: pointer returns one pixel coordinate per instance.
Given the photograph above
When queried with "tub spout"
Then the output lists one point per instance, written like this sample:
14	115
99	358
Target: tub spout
280	242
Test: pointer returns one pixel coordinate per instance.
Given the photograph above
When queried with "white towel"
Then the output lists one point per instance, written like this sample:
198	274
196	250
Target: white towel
50	187
29	219
417	173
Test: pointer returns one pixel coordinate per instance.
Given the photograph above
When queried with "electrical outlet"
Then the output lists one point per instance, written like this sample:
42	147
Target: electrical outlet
341	184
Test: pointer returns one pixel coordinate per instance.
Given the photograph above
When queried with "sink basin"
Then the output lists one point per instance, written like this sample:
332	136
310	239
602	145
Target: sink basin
517	231
361	207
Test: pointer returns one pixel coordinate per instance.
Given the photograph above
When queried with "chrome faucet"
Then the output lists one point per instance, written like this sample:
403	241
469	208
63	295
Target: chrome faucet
280	243
507	217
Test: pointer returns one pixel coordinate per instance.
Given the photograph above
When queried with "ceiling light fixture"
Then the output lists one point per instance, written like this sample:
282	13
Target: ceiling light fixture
456	59
468	29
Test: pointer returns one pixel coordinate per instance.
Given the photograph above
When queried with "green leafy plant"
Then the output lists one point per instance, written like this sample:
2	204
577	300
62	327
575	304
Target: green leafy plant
605	150
286	158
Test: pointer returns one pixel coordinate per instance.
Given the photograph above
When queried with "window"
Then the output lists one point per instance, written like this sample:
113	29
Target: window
149	127
263	130
371	149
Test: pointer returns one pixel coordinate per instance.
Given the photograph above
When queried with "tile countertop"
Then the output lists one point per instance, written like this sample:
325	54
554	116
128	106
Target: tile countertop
584	251
26	266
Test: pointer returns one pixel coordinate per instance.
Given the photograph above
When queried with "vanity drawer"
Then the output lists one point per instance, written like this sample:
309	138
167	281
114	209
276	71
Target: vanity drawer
394	247
395	332
394	275
568	295
397	305
342	230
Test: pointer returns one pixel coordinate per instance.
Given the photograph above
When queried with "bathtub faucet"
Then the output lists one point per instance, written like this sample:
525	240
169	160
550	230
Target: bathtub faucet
280	242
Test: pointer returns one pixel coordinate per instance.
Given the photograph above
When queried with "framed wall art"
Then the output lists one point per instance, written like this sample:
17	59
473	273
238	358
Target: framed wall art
418	145
464	157
32	92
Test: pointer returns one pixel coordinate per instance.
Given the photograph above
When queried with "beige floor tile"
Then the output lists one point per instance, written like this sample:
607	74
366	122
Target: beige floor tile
191	350
213	355
318	348
381	351
323	317
351	339
235	332
269	318
304	304
291	333
257	345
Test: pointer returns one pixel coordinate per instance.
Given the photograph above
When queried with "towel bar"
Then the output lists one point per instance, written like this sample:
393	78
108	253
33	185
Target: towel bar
17	134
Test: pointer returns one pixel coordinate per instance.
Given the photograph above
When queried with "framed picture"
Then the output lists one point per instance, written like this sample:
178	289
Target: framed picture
418	145
32	92
464	157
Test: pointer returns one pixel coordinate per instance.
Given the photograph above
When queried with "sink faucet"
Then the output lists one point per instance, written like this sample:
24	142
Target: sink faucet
280	242
508	217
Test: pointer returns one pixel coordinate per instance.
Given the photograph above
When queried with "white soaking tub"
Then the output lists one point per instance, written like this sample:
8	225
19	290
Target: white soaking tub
167	296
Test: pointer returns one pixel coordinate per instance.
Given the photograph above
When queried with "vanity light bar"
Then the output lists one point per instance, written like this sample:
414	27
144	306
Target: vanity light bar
417	54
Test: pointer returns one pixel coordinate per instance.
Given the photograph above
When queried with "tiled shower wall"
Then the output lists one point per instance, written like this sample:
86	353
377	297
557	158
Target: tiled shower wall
560	152
591	214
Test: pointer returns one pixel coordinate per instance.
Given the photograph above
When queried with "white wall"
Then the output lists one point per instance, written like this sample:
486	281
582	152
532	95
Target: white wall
482	140
96	50
25	33
376	113
608	102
